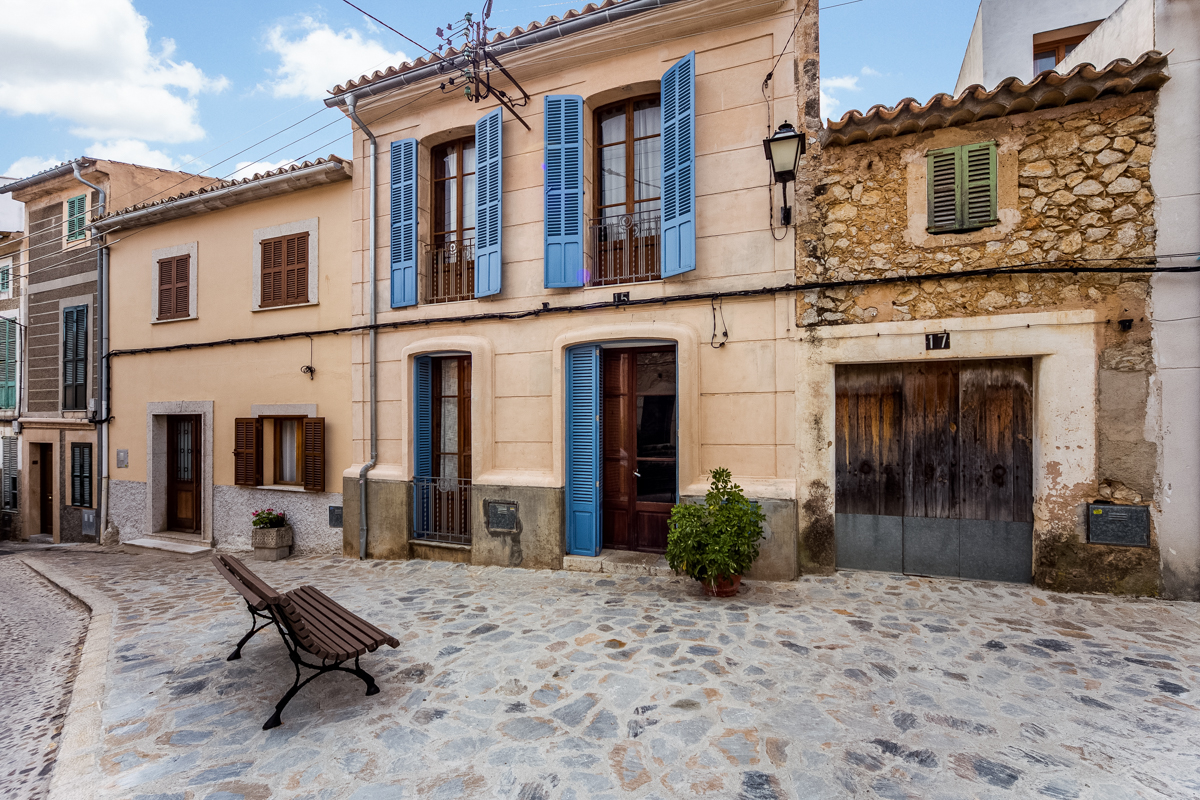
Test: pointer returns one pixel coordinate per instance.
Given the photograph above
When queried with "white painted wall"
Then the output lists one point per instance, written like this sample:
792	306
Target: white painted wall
12	213
1005	35
1126	33
972	66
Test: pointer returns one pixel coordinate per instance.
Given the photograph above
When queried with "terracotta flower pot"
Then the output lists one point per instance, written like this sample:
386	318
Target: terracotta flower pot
724	587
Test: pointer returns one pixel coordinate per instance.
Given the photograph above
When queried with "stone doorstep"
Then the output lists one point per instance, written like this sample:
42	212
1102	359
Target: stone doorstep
165	548
620	562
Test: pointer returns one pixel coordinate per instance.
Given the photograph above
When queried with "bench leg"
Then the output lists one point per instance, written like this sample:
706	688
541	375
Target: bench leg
237	651
372	687
277	718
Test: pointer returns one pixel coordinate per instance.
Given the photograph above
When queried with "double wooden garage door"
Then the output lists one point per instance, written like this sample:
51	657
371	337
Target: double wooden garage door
934	468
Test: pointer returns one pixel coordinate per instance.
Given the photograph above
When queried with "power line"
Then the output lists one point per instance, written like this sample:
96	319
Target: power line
389	27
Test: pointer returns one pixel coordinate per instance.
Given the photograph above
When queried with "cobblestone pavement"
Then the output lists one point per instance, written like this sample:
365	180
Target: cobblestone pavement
41	630
537	685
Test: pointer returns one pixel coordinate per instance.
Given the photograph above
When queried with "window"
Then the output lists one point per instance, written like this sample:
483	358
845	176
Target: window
962	187
6	277
452	276
75	361
627	228
1051	47
76	218
81	474
174	287
8	450
9	331
442	449
284	271
298	447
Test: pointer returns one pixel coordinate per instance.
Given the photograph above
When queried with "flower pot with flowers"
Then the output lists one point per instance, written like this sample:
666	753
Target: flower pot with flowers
272	535
716	542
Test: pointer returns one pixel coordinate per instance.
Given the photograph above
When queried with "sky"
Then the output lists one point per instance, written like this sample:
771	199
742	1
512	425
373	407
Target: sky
228	88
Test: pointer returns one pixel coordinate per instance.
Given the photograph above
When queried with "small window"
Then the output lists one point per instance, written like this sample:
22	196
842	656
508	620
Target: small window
81	474
75	361
174	287
284	271
6	277
76	218
298	451
962	187
9	332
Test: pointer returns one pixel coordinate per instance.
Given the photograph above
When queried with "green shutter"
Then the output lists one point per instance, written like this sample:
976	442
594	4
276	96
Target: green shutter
962	187
8	364
76	217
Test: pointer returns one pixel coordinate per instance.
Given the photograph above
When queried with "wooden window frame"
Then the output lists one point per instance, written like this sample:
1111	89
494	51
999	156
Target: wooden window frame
310	452
174	286
277	456
81	468
300	295
630	144
459	235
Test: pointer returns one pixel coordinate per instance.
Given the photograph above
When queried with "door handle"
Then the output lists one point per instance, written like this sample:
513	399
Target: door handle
637	474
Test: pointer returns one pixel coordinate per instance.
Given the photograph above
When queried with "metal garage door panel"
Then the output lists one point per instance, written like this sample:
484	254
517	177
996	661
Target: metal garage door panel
869	541
993	550
931	547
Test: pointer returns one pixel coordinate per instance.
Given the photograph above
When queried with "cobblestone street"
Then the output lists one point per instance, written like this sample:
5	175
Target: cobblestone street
538	685
40	633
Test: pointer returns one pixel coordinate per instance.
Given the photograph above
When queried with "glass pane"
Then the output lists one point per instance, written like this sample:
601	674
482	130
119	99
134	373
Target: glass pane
656	407
449	439
1069	49
1044	61
612	183
468	156
647	168
612	125
287	451
468	202
657	482
449	377
183	458
647	118
445	206
445	161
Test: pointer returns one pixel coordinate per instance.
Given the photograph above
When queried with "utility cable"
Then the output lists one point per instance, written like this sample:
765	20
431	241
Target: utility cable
389	27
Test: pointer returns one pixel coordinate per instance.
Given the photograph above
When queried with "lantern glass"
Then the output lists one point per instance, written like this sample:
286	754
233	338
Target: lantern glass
783	150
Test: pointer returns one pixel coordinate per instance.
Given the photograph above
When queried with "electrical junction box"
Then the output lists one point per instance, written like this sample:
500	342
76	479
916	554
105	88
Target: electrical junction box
503	517
89	522
335	516
1121	525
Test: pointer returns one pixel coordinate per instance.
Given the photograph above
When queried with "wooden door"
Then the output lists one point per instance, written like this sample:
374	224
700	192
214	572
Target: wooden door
183	473
639	432
46	488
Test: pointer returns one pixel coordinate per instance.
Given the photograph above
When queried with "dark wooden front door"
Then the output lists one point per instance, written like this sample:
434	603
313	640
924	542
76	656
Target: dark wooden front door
183	474
639	433
935	468
46	487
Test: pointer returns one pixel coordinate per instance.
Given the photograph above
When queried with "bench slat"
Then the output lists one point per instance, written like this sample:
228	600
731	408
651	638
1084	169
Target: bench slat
253	600
349	621
326	640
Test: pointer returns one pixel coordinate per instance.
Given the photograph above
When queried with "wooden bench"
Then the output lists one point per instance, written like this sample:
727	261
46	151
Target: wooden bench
309	622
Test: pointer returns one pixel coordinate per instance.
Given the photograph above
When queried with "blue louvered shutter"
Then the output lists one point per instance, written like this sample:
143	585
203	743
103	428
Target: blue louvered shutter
489	191
564	191
583	450
404	223
679	167
422	422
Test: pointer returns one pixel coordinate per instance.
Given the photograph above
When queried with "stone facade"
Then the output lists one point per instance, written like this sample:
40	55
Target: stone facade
1073	187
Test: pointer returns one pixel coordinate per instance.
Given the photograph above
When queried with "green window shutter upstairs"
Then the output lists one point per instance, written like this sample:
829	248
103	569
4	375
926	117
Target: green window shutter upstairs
978	193
76	209
942	178
8	370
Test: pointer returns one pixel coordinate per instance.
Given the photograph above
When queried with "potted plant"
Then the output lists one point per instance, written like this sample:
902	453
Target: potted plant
272	535
716	542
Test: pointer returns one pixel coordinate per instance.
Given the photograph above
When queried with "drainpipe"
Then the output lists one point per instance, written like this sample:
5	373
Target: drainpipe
351	102
101	414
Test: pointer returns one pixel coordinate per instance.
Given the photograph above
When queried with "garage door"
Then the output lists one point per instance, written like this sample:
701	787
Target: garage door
934	468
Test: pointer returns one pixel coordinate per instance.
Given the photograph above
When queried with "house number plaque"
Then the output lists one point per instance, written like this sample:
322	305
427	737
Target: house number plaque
937	341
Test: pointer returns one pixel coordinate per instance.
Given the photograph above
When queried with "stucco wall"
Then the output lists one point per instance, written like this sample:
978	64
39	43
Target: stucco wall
1126	33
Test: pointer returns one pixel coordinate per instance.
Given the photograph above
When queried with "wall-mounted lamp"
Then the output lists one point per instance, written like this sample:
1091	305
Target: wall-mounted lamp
784	149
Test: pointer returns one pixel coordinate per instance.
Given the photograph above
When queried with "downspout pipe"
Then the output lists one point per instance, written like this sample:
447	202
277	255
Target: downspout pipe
351	102
100	416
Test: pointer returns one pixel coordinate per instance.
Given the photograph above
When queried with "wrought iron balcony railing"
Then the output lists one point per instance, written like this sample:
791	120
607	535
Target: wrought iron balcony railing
625	248
443	510
452	272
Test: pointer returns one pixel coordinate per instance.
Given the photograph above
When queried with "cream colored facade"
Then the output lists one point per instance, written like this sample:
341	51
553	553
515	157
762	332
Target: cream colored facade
220	231
736	401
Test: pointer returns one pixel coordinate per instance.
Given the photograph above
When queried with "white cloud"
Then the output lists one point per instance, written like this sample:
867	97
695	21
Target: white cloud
90	62
132	151
848	82
829	105
871	73
29	165
247	169
319	58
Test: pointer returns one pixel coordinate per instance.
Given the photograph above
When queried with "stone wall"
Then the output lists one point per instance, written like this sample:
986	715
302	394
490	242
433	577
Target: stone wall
1073	188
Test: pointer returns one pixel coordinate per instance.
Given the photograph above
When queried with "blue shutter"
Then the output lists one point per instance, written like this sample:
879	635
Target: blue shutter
564	191
583	450
422	420
404	223
679	167
489	190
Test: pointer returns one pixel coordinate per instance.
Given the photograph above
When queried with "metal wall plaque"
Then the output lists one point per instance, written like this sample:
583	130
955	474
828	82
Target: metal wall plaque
502	517
89	522
937	341
335	516
1123	525
122	459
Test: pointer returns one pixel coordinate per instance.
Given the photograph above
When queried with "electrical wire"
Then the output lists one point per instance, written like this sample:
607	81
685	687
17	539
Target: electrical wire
389	27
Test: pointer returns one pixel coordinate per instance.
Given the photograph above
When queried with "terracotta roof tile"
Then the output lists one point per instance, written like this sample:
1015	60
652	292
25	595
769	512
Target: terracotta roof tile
1011	96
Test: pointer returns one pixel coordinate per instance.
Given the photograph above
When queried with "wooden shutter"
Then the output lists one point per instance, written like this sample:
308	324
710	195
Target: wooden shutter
295	269
563	261
76	217
678	252
272	273
81	475
314	454
404	223
978	195
8	369
247	451
942	180
583	450
423	417
75	344
489	193
11	471
174	287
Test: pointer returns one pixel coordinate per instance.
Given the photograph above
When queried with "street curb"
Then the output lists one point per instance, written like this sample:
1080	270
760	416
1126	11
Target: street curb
77	764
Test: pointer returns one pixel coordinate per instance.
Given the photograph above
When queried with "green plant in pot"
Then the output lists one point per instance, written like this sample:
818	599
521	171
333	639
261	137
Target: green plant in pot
716	542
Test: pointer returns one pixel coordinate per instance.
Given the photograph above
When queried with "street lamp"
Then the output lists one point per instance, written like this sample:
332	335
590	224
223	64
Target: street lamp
784	149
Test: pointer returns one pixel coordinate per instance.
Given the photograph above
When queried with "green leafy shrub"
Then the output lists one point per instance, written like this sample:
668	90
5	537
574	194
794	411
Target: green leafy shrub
268	519
718	539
